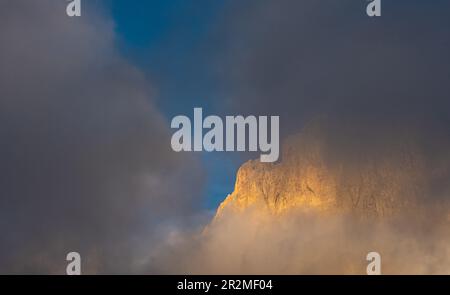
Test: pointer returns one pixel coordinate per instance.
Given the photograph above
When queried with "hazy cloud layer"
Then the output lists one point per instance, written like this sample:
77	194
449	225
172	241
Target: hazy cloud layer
307	243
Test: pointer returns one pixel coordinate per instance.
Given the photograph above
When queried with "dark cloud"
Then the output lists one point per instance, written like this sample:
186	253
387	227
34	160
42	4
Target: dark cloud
86	158
301	59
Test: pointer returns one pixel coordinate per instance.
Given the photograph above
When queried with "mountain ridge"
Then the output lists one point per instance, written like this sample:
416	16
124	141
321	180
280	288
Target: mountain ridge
311	176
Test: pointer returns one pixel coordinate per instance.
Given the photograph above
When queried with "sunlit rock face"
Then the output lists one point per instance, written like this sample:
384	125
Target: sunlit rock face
312	175
337	194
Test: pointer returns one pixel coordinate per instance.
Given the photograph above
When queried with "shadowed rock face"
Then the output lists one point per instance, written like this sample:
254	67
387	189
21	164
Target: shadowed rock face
318	172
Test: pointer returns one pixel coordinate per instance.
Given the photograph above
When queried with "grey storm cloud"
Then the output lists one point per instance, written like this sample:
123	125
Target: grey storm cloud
301	59
85	156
